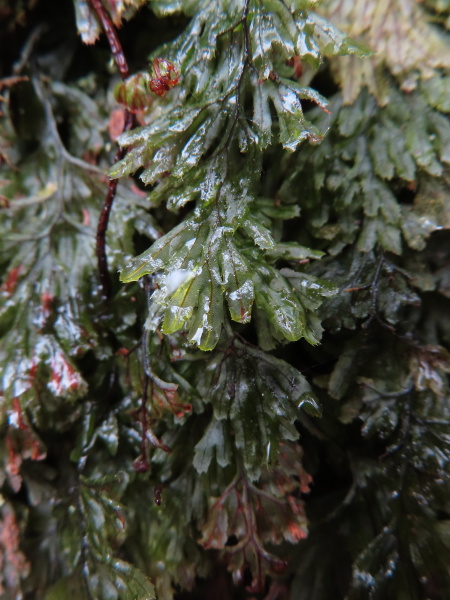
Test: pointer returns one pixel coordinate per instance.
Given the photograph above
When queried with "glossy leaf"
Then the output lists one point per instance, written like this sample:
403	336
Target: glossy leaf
255	399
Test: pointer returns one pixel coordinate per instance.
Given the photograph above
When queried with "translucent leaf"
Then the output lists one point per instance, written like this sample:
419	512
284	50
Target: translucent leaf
199	267
170	131
255	398
199	144
239	289
292	251
262	118
197	264
294	128
260	234
389	237
277	29
181	304
214	443
273	29
275	297
311	289
206	326
276	210
174	249
332	41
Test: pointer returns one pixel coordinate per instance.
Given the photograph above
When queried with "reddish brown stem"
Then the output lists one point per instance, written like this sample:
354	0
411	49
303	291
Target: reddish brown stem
111	34
102	226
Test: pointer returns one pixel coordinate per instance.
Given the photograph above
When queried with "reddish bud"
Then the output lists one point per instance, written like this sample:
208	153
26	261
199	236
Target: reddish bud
164	76
133	93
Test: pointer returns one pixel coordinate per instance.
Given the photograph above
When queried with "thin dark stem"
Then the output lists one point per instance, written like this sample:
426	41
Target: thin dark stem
102	226
113	40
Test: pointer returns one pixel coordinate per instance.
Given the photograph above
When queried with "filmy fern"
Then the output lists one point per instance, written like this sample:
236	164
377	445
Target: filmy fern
279	226
204	144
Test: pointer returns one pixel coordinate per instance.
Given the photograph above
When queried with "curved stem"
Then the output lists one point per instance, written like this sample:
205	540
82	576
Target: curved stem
113	40
102	226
